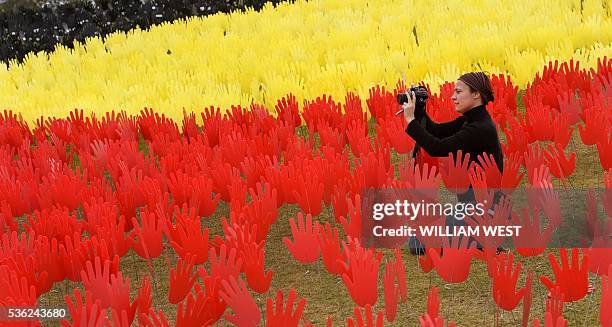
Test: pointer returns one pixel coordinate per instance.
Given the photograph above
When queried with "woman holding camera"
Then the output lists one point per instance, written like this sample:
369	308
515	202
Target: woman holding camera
474	132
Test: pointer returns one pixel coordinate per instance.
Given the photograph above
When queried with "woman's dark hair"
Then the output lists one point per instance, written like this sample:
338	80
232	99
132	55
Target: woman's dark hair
479	82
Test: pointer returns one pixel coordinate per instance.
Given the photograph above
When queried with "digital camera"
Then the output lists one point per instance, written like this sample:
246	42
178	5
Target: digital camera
420	93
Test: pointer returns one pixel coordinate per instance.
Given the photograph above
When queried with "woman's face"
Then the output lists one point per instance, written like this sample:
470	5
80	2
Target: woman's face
463	98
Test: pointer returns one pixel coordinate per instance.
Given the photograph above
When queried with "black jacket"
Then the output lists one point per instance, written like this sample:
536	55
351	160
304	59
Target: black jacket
474	132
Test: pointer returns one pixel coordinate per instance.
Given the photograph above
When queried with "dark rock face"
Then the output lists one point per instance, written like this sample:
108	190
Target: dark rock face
24	30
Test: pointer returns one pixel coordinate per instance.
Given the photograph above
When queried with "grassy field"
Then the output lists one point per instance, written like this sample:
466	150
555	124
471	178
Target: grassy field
468	304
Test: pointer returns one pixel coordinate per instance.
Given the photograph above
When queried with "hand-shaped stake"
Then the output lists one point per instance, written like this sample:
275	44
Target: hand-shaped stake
152	319
426	262
309	192
391	292
455	172
280	316
14	290
181	280
534	159
237	297
554	307
361	277
195	312
144	299
89	313
563	130
427	182
504	283
369	318
224	265
329	242
605	314
482	193
500	218
489	166
120	299
595	122
352	228
147	239
26	267
48	254
560	166
97	281
454	265
400	273
188	236
427	321
572	280
532	240
305	246
511	177
258	279
604	148
433	302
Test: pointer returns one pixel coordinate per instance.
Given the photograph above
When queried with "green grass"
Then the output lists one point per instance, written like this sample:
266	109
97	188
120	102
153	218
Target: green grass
468	304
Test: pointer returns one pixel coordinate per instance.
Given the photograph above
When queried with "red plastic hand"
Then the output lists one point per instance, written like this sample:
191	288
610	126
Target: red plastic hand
361	277
15	291
280	316
454	265
400	273
26	267
433	302
604	149
479	182
329	242
427	321
305	246
560	165
551	205
352	228
188	236
369	318
554	305
488	164
181	280
455	172
534	158
120	298
147	236
504	283
532	240
237	297
89	313
151	319
195	312
258	279
572	280
511	177
427	182
144	299
391	292
224	265
426	262
309	192
500	218
97	281
605	315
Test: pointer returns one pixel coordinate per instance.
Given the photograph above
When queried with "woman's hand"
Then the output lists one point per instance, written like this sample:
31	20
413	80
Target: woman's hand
409	106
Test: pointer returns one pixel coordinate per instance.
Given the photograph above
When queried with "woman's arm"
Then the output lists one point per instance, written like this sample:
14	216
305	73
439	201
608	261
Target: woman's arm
441	146
439	130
